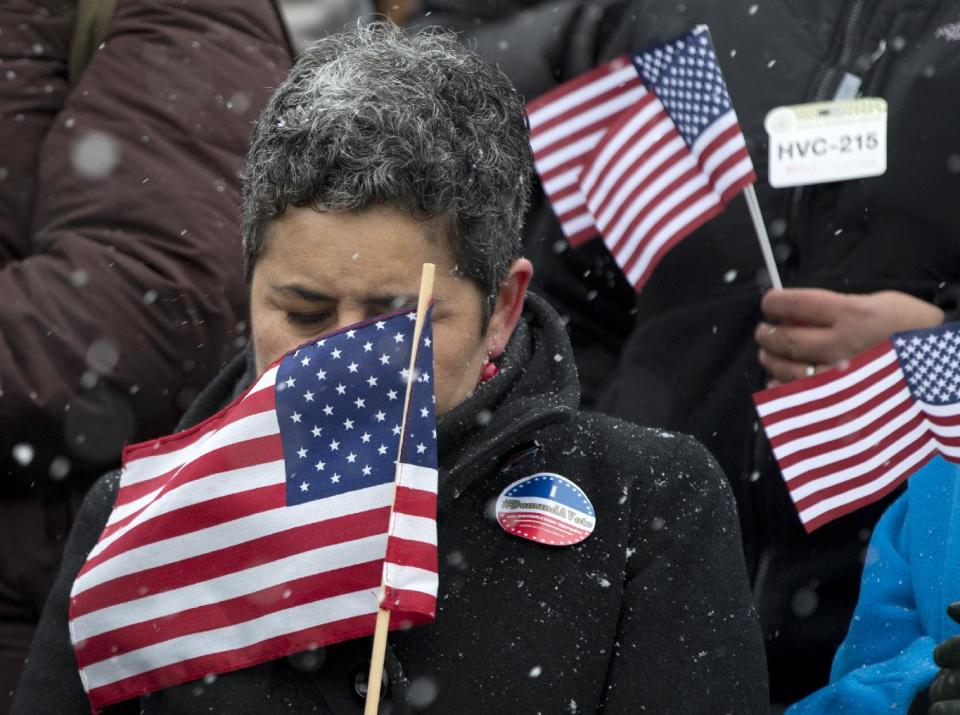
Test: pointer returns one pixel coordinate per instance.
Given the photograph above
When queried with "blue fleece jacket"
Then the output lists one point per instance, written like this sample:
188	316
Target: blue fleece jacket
912	572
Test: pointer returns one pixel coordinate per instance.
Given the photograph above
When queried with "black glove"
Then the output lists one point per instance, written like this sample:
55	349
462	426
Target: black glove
945	691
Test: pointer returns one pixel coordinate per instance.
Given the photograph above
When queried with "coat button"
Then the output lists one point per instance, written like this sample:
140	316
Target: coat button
358	679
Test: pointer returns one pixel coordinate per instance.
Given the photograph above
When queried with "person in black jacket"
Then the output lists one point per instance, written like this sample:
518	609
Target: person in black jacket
380	152
878	255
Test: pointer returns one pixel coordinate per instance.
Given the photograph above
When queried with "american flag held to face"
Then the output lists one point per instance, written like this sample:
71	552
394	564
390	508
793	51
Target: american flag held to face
847	437
267	529
641	150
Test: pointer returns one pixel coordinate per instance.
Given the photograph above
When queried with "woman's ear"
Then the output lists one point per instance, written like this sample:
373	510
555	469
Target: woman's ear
508	307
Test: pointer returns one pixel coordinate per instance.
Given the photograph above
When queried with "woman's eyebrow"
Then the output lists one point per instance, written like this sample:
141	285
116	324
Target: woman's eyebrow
302	291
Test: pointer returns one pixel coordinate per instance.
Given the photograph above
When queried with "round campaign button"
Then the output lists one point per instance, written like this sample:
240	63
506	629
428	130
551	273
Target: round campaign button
546	508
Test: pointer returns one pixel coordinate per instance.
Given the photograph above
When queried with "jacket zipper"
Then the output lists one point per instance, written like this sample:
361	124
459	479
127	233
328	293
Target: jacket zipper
847	45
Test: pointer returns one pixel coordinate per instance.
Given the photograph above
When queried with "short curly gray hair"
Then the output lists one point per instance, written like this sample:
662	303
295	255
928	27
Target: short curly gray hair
415	120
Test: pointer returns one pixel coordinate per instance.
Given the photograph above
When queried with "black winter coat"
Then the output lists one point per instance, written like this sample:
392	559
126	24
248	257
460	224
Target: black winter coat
651	613
681	354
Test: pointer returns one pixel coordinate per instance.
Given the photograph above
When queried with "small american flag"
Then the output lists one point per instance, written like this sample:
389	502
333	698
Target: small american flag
660	154
847	437
263	531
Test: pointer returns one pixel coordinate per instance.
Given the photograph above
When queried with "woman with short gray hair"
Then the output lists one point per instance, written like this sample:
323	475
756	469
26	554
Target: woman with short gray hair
383	151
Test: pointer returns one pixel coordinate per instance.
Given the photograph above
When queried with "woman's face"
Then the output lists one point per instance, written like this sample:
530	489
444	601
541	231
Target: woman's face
322	271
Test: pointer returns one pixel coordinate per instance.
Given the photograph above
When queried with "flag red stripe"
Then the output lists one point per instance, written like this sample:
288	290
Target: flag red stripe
226	661
231	456
316	587
408	606
635	254
737	186
261	401
943	420
828	516
717	143
539	129
415	502
234	558
824	378
681	234
665	193
869	449
193	518
865	478
636	166
578	82
723	167
835	398
405	552
581	237
865	432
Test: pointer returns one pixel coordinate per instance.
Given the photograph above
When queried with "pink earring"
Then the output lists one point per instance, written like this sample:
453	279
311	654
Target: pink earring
489	370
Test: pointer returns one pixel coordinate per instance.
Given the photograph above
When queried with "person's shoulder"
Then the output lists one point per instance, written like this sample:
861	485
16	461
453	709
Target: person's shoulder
619	439
655	462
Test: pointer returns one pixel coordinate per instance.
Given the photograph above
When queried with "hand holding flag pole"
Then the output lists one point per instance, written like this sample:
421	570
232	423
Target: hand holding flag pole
383	614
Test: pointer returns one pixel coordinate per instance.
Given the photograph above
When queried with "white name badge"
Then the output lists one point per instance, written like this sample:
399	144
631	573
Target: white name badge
827	141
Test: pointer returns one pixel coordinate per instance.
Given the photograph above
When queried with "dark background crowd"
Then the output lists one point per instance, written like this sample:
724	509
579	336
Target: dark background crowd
123	128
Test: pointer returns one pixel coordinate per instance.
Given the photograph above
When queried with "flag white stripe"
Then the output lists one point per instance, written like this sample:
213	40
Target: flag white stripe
828	389
233	532
736	172
232	585
949	452
653	163
909	464
231	637
613	179
260	424
646	197
568	152
845	428
863	442
414	476
670	229
860	469
569	203
944	431
710	134
413	528
614	105
600	166
724	152
562	181
833	411
216	486
577	224
411	578
582	95
940	410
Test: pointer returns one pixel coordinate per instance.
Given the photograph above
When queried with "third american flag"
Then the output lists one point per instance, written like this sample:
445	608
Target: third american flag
848	436
641	150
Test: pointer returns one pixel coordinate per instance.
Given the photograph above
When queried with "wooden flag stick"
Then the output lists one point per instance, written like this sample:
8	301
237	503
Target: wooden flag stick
383	615
754	207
